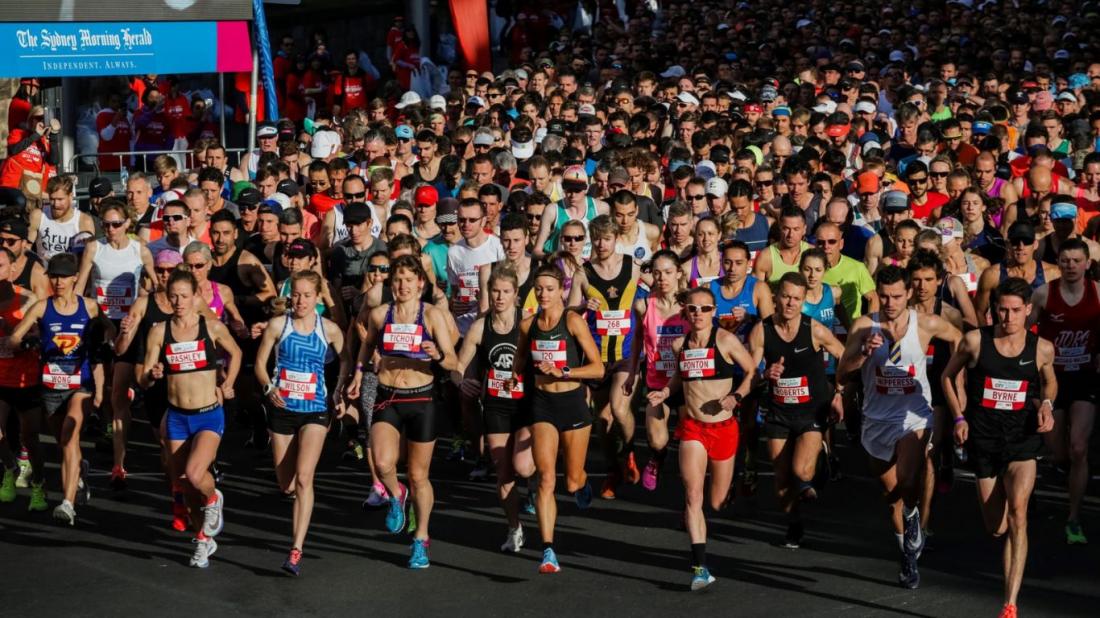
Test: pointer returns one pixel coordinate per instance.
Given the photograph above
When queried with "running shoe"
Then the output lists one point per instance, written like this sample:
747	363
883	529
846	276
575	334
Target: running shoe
795	533
515	540
118	478
377	496
419	557
1074	534
528	505
395	518
65	513
217	473
293	564
549	562
480	471
212	519
354	452
458	450
806	492
651	475
631	474
179	516
700	578
909	577
7	486
83	489
24	461
1008	611
204	548
914	538
583	496
38	497
610	484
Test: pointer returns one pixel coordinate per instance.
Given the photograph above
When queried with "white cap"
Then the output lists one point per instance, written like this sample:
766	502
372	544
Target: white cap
827	107
737	95
717	186
540	134
705	169
802	23
283	199
586	109
437	102
324	144
484	138
674	71
407	99
865	107
688	98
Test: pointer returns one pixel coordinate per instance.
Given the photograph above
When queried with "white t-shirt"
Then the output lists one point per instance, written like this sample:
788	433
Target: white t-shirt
463	267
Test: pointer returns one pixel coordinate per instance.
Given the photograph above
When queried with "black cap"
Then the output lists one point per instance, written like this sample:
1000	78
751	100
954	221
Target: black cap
557	127
62	265
446	211
356	213
288	188
1019	96
720	154
100	187
1021	230
249	197
301	247
15	227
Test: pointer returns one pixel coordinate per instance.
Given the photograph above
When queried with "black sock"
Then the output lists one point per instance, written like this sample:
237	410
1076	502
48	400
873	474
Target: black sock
628	447
659	455
546	546
699	554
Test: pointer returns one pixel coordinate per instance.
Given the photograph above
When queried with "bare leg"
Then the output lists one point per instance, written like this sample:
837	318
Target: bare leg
122	376
545	449
1082	417
420	461
500	449
310	442
1019	481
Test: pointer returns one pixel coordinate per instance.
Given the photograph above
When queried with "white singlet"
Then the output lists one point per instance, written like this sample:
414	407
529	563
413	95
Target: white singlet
116	275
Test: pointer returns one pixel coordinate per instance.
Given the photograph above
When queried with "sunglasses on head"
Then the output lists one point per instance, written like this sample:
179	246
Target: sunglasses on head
700	308
378	268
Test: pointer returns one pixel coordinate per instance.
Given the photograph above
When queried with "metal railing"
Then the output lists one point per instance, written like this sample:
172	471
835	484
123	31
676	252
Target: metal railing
79	163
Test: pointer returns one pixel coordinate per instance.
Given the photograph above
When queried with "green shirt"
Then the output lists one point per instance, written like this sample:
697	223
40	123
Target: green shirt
437	250
779	267
854	281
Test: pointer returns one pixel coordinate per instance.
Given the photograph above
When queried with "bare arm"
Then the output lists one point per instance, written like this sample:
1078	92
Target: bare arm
469	349
546	226
86	263
593	369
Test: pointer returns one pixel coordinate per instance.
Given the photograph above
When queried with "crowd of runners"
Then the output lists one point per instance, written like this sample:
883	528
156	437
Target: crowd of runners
729	233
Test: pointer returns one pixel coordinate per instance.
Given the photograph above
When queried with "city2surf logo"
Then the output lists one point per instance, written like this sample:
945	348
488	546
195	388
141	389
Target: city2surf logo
66	343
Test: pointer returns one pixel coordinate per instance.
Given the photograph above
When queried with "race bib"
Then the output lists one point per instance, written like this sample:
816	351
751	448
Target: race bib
896	380
930	355
550	351
468	287
297	385
114	300
61	376
1004	394
494	384
665	362
791	390
186	355
697	363
612	323
402	337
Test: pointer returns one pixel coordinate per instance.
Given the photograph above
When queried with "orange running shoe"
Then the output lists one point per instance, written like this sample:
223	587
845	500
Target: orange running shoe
631	473
179	517
610	484
1008	611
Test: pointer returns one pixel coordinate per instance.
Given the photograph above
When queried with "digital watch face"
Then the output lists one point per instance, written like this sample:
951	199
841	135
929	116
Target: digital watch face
126	10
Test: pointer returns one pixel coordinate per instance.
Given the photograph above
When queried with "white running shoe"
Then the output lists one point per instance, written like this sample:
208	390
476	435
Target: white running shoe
65	513
203	550
213	521
514	542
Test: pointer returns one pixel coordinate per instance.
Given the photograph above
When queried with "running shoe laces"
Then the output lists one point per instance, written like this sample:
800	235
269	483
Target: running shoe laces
38	497
700	578
1008	611
204	548
395	518
549	562
293	562
212	520
515	540
65	513
419	557
651	475
1075	535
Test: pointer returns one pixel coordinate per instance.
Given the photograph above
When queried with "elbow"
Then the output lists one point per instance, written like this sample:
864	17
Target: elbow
597	371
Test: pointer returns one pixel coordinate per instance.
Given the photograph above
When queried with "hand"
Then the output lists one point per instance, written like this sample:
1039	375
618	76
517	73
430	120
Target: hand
729	403
775	370
658	397
353	386
548	368
592	304
628	386
97	400
341	408
962	432
128	324
258	329
276	399
40	128
157	371
227	390
431	350
55	125
1046	418
739	313
837	408
872	342
238	329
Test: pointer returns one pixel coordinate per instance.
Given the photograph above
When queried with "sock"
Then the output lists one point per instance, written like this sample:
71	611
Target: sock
379	488
659	455
901	541
546	546
699	554
628	447
200	536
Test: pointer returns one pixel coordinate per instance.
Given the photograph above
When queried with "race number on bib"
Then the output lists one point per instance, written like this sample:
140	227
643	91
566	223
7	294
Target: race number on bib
1004	394
549	351
494	384
61	376
791	390
186	355
612	323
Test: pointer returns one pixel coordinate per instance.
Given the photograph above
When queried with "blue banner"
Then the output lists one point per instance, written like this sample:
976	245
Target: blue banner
78	49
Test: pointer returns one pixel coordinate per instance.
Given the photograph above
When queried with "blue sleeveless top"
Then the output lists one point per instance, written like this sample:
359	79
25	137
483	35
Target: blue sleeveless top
300	368
64	350
725	306
825	312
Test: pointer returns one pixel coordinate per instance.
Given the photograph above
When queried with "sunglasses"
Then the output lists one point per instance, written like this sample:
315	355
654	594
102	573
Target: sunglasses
173	218
114	224
1016	242
700	308
251	206
919	180
469	220
196	266
938	174
461	145
697	198
11	242
573	238
443	224
355	196
378	268
164	270
828	241
765	183
404	140
535	217
952	138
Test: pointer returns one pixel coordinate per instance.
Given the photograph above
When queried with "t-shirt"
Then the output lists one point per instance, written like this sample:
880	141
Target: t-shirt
437	250
463	275
854	282
349	263
934	201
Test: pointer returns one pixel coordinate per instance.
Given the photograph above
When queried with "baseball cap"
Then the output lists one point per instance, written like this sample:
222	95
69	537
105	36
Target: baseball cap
855	66
618	176
403	131
438	102
249	196
407	99
288	188
356	213
62	265
826	108
720	154
1066	95
705	170
574	177
100	187
1018	96
168	257
867	182
266	130
483	138
523	143
15	227
781	110
1021	231
717	187
1063	210
475	101
324	144
895	201
950	229
674	71
864	107
981	127
687	98
271	207
426	195
282	200
586	109
447	210
836	125
301	247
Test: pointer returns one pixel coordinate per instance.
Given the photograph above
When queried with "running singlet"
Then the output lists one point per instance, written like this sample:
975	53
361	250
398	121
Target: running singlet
895	376
405	340
723	314
803	387
755	236
526	296
1001	391
1072	329
590	213
640	251
18	368
1036	283
496	355
180	357
824	311
55	236
705	363
555	345
300	368
117	275
698	280
64	355
611	323
779	267
659	333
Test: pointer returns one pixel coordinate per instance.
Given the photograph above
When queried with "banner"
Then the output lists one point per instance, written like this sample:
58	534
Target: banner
471	21
87	49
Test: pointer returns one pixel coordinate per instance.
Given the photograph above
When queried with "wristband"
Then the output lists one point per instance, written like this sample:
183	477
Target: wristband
1047	402
360	367
737	397
960	419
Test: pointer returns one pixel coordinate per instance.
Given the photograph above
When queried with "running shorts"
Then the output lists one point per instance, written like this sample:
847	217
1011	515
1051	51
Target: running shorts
990	456
287	423
20	399
410	410
181	424
1075	386
879	437
565	411
719	439
54	401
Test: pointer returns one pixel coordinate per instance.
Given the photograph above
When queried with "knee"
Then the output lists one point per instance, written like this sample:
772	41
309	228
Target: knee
303	482
418	478
1078	451
547	481
694	498
523	466
194	474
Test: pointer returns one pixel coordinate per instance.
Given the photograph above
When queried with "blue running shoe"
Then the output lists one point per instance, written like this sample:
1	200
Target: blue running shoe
293	564
583	496
549	562
395	518
419	557
914	537
701	578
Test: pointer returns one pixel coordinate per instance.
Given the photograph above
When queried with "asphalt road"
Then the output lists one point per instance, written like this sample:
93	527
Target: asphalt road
621	557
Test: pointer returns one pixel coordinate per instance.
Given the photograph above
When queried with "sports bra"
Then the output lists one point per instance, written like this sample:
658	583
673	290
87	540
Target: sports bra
405	340
705	363
181	357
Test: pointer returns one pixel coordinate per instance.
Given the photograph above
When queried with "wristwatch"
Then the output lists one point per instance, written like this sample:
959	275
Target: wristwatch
269	388
565	372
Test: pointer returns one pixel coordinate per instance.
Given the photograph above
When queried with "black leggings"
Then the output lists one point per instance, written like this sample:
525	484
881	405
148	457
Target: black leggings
409	410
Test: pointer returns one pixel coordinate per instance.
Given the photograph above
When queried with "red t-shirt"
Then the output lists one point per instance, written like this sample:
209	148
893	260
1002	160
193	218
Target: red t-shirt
350	91
934	200
18	111
177	109
119	142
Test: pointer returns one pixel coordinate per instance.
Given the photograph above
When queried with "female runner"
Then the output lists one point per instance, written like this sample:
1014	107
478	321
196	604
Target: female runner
705	264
